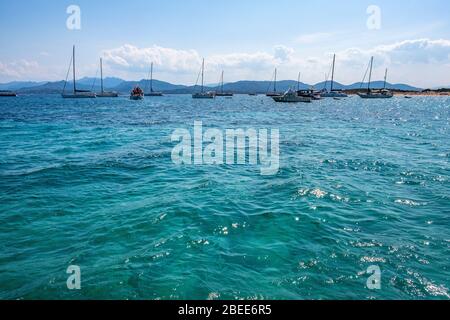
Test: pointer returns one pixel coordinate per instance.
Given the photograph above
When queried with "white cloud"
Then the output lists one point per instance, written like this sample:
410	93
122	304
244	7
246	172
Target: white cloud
283	53
17	70
409	59
138	59
184	64
419	51
173	60
421	62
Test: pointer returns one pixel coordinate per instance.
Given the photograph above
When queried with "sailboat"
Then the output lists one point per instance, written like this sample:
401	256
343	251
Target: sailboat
202	94
332	93
76	93
223	93
103	93
153	93
274	93
376	94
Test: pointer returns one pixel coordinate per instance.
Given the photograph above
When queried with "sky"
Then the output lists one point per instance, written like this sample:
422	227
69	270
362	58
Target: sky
247	39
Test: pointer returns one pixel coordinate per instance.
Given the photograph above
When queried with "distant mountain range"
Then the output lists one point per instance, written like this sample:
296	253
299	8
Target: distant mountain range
109	82
16	85
124	87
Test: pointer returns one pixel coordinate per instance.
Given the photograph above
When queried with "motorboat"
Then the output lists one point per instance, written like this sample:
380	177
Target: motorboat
291	96
137	93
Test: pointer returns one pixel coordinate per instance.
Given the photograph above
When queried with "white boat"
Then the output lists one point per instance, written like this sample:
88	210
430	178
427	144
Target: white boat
291	96
152	93
103	93
76	94
202	94
79	94
332	93
274	93
223	93
376	94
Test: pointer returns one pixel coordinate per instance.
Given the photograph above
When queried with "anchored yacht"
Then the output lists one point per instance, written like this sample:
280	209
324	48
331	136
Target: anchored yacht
202	94
76	94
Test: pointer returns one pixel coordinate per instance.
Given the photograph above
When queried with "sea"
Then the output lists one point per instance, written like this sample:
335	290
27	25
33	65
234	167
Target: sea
359	208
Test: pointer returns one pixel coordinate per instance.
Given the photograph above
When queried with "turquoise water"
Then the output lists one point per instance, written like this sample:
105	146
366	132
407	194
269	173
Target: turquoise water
91	183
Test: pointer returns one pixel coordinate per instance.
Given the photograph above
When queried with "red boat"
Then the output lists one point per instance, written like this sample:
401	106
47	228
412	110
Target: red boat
137	94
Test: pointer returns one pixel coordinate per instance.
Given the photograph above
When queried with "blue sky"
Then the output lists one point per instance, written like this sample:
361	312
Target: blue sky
246	38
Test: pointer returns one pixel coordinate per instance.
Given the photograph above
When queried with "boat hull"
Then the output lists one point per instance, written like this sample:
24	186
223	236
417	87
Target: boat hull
83	95
333	95
107	95
136	97
203	96
273	94
154	94
283	99
224	94
375	95
313	95
8	94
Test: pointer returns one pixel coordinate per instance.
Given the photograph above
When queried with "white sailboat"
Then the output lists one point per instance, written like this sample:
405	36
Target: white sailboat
274	93
202	94
223	93
332	93
76	94
152	93
103	93
376	94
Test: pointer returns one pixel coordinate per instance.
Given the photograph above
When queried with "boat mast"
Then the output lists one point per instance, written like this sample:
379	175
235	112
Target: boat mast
298	81
151	78
275	82
222	82
370	74
101	73
332	73
385	77
73	61
203	71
